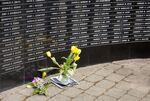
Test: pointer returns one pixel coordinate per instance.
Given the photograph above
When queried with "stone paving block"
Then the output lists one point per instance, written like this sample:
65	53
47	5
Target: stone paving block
137	93
143	88
95	91
104	72
115	92
124	71
52	91
1	97
146	99
115	77
139	82
101	65
87	71
37	98
123	85
130	78
128	98
84	97
140	61
72	92
147	60
137	72
148	95
79	77
106	84
122	62
105	98
146	67
60	97
26	92
98	66
133	66
113	67
22	87
145	72
84	85
94	78
10	91
16	89
14	97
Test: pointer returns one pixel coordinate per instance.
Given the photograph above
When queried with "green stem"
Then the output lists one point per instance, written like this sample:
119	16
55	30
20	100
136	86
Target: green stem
56	63
69	59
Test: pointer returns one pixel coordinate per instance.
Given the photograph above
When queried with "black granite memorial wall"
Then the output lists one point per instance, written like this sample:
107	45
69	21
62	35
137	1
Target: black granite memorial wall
28	28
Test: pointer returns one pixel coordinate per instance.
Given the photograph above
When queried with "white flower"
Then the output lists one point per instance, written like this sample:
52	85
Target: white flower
48	53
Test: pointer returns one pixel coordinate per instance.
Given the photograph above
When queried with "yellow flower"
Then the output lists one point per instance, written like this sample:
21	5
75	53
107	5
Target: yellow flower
75	50
48	53
29	86
76	58
44	75
79	51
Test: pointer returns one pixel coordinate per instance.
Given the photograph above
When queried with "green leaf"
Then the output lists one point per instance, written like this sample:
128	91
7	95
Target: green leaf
64	58
47	69
46	86
36	91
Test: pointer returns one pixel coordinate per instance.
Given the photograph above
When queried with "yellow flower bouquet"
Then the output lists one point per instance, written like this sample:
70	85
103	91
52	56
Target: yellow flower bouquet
67	69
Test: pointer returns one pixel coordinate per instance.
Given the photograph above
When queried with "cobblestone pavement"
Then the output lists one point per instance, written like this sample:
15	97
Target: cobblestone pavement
125	80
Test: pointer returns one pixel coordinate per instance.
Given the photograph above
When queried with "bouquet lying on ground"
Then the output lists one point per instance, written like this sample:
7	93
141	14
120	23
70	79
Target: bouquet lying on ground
39	86
67	69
